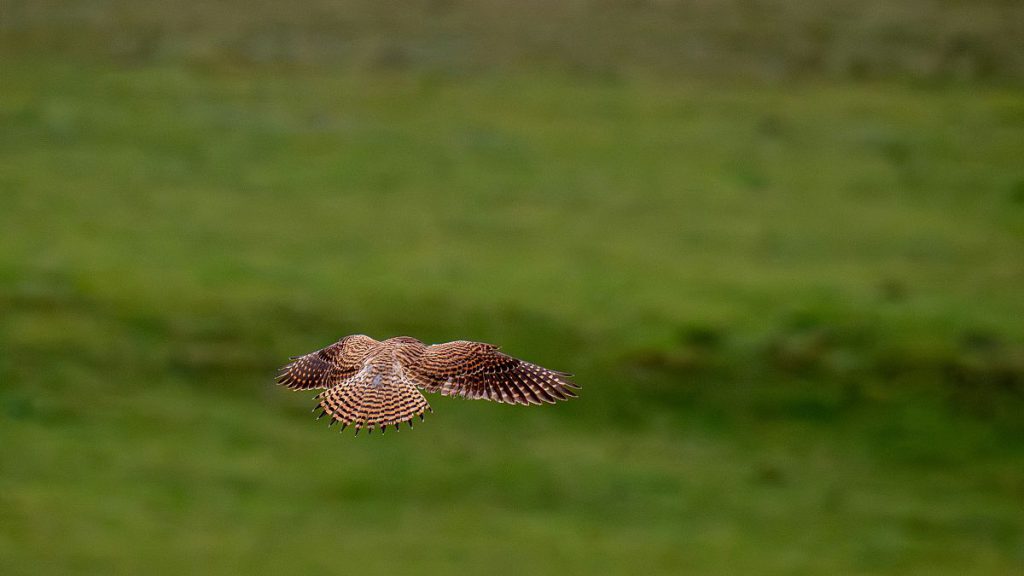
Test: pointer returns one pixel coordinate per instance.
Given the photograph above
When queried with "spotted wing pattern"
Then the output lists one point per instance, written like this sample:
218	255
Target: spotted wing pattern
372	400
478	370
327	367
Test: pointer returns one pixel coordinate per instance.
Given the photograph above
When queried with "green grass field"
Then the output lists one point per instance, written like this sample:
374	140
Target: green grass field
794	307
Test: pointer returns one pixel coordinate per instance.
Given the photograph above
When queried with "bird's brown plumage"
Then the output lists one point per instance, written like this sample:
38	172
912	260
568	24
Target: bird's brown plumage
371	384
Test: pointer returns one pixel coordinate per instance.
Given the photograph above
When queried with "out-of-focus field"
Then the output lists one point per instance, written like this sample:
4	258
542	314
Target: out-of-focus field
792	291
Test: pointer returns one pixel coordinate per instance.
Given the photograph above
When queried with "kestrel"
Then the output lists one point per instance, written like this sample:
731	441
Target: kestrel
374	384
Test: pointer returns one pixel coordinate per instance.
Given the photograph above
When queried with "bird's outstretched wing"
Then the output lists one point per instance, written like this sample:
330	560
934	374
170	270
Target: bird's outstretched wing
327	367
478	370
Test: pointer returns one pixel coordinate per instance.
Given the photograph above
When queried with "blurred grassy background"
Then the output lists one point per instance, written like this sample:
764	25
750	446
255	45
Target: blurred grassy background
781	244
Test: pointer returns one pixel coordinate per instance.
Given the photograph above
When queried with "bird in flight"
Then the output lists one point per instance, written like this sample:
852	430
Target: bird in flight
371	384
